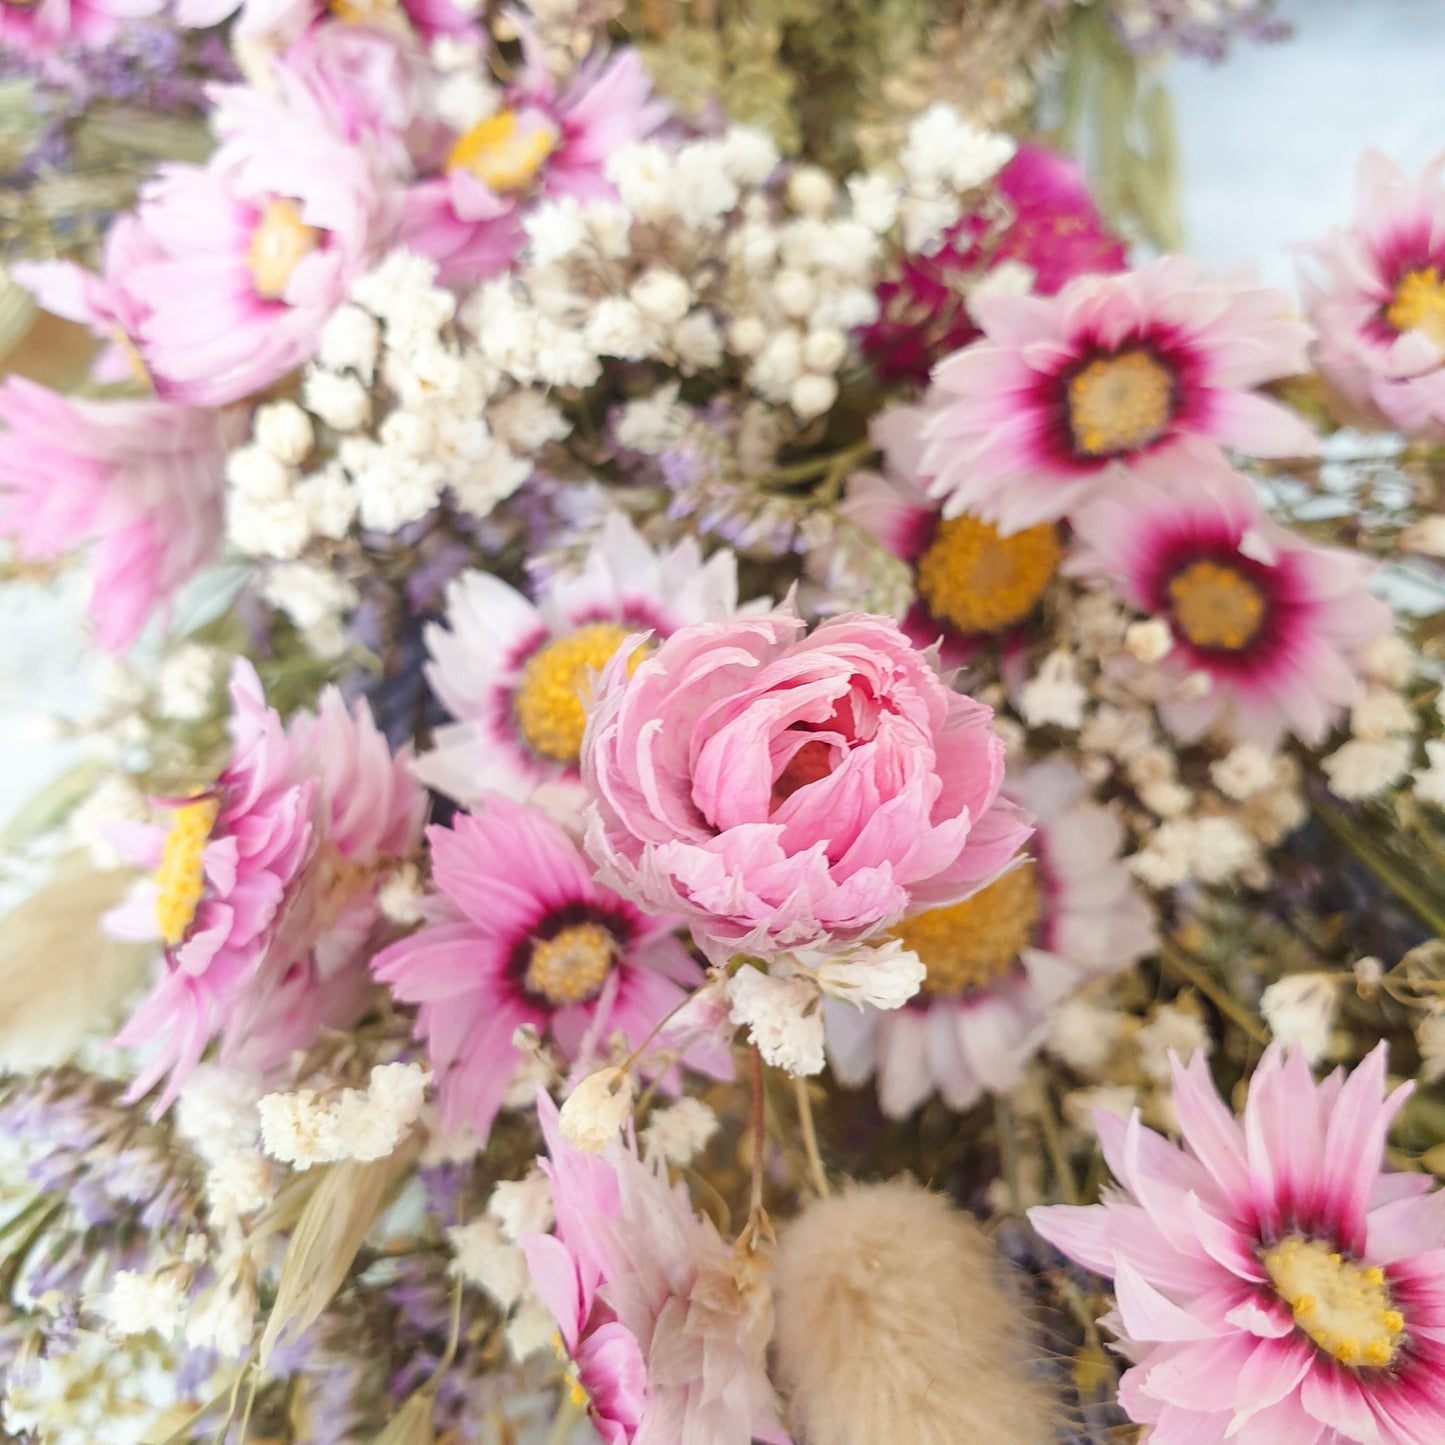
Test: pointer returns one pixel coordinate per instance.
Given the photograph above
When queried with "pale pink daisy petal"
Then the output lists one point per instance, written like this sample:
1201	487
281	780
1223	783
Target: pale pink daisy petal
138	481
1064	394
1273	623
1283	1323
1378	299
1000	961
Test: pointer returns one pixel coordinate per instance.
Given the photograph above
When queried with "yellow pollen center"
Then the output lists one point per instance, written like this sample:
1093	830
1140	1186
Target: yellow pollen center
970	944
501	155
1120	403
572	965
181	877
981	582
1419	304
280	242
1344	1307
1216	606
550	703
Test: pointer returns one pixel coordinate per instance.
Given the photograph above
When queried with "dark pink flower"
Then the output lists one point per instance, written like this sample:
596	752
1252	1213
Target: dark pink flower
1050	224
1272	1283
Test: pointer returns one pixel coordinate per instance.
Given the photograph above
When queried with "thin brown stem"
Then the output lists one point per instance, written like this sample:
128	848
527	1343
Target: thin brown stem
1198	977
760	1138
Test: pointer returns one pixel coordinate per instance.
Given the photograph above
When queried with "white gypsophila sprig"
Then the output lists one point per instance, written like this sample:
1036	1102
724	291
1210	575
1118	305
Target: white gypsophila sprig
783	1018
305	1128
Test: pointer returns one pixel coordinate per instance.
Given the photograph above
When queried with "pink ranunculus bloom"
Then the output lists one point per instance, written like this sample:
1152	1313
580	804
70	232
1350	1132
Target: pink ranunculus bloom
1272	1283
1000	961
1272	621
666	1325
249	254
1378	304
973	585
544	141
1049	223
140	481
47	26
1065	392
782	791
518	933
264	888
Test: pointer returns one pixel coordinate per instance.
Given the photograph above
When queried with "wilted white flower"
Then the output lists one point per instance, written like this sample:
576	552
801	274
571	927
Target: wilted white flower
1171	1030
138	1304
1247	769
1364	767
1054	696
1083	1033
1149	641
522	1206
680	1132
811	395
284	430
1381	712
594	1112
1300	1011
885	976
486	1258
782	1017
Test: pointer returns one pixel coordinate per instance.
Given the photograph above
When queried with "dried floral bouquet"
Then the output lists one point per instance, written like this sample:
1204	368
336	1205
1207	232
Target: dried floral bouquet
764	774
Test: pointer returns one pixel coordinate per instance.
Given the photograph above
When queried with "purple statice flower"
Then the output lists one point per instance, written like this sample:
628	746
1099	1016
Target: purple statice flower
115	1189
1152	27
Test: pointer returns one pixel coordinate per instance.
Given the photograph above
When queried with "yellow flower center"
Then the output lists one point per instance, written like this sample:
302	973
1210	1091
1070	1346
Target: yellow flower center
279	244
1344	1307
1216	606
181	877
971	944
1419	304
501	155
571	965
550	703
385	13
1120	403
981	582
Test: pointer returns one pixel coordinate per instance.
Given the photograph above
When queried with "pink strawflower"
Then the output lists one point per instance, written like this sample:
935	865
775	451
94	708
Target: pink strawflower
1272	621
141	481
515	674
783	791
972	583
1063	391
998	962
1272	1283
1045	219
1379	305
667	1326
100	303
47	26
264	890
543	141
518	933
245	258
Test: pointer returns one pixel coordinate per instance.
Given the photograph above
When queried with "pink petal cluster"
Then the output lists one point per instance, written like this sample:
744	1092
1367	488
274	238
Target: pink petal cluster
518	933
1160	354
286	19
226	272
1309	611
1378	302
782	791
1272	1283
472	229
276	947
140	481
667	1326
1048	222
47	26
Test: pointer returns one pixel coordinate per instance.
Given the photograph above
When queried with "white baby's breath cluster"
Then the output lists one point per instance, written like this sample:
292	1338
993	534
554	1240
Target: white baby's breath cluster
305	1127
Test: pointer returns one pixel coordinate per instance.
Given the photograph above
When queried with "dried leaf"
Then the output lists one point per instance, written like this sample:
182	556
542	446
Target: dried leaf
332	1227
411	1425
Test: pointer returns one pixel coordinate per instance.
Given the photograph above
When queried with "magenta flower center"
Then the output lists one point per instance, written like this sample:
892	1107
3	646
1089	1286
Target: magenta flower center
1216	606
972	944
572	965
1120	402
279	244
1419	304
181	878
1342	1305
